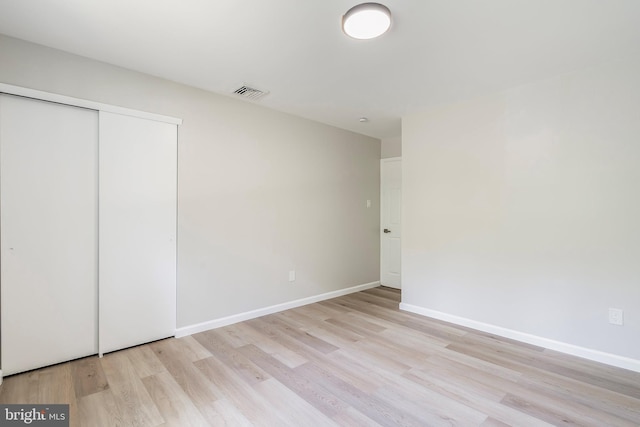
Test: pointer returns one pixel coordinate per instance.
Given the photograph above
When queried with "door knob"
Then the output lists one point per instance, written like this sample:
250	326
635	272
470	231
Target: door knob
386	230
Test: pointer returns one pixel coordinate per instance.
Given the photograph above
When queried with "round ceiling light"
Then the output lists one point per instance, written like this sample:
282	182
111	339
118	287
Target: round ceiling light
366	21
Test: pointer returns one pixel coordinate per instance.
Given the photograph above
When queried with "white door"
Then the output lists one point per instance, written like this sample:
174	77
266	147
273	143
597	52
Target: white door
48	228
138	187
390	216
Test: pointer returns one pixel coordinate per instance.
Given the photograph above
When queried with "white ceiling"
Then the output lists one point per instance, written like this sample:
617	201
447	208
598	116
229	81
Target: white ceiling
437	51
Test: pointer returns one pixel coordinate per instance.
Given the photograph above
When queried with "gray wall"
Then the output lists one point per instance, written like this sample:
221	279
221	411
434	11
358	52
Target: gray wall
260	192
521	209
391	147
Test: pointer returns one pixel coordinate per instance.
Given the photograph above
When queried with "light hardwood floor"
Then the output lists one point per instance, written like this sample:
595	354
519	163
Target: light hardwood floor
351	361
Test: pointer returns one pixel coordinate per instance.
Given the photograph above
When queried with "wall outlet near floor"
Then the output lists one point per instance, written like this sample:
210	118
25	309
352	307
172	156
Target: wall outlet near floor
292	275
615	316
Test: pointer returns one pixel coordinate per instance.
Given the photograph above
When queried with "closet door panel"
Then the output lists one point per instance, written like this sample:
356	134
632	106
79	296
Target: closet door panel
48	232
137	223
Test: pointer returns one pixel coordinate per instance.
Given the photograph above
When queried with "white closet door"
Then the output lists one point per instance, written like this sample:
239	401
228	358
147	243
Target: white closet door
137	223
48	228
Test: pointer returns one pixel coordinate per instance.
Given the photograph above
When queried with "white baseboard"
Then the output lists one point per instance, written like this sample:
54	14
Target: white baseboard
1	377
586	353
229	320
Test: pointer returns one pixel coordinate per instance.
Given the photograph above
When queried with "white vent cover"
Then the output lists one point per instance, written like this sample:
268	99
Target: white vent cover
250	93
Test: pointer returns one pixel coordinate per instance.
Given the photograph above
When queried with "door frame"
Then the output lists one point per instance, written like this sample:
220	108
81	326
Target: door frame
82	103
382	162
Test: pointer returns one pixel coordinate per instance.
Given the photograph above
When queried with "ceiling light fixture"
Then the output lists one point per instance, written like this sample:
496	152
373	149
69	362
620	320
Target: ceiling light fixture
366	21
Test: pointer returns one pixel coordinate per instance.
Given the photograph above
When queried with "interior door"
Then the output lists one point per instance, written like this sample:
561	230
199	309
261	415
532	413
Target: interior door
390	219
48	232
138	187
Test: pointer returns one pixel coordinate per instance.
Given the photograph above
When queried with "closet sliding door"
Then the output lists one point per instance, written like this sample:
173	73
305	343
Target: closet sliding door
48	232
137	228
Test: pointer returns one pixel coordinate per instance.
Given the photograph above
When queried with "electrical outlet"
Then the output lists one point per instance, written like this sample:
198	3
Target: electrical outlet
292	276
616	316
368	203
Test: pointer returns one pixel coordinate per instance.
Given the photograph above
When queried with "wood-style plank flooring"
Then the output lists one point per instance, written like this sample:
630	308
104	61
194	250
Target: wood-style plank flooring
351	361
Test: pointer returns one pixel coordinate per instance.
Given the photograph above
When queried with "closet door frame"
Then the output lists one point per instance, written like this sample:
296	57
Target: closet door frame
88	104
84	103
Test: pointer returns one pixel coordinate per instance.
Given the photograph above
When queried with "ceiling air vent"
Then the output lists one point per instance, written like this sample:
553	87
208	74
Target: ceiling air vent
250	93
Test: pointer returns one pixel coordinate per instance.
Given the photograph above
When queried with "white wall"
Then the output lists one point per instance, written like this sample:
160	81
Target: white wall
260	192
522	209
391	147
